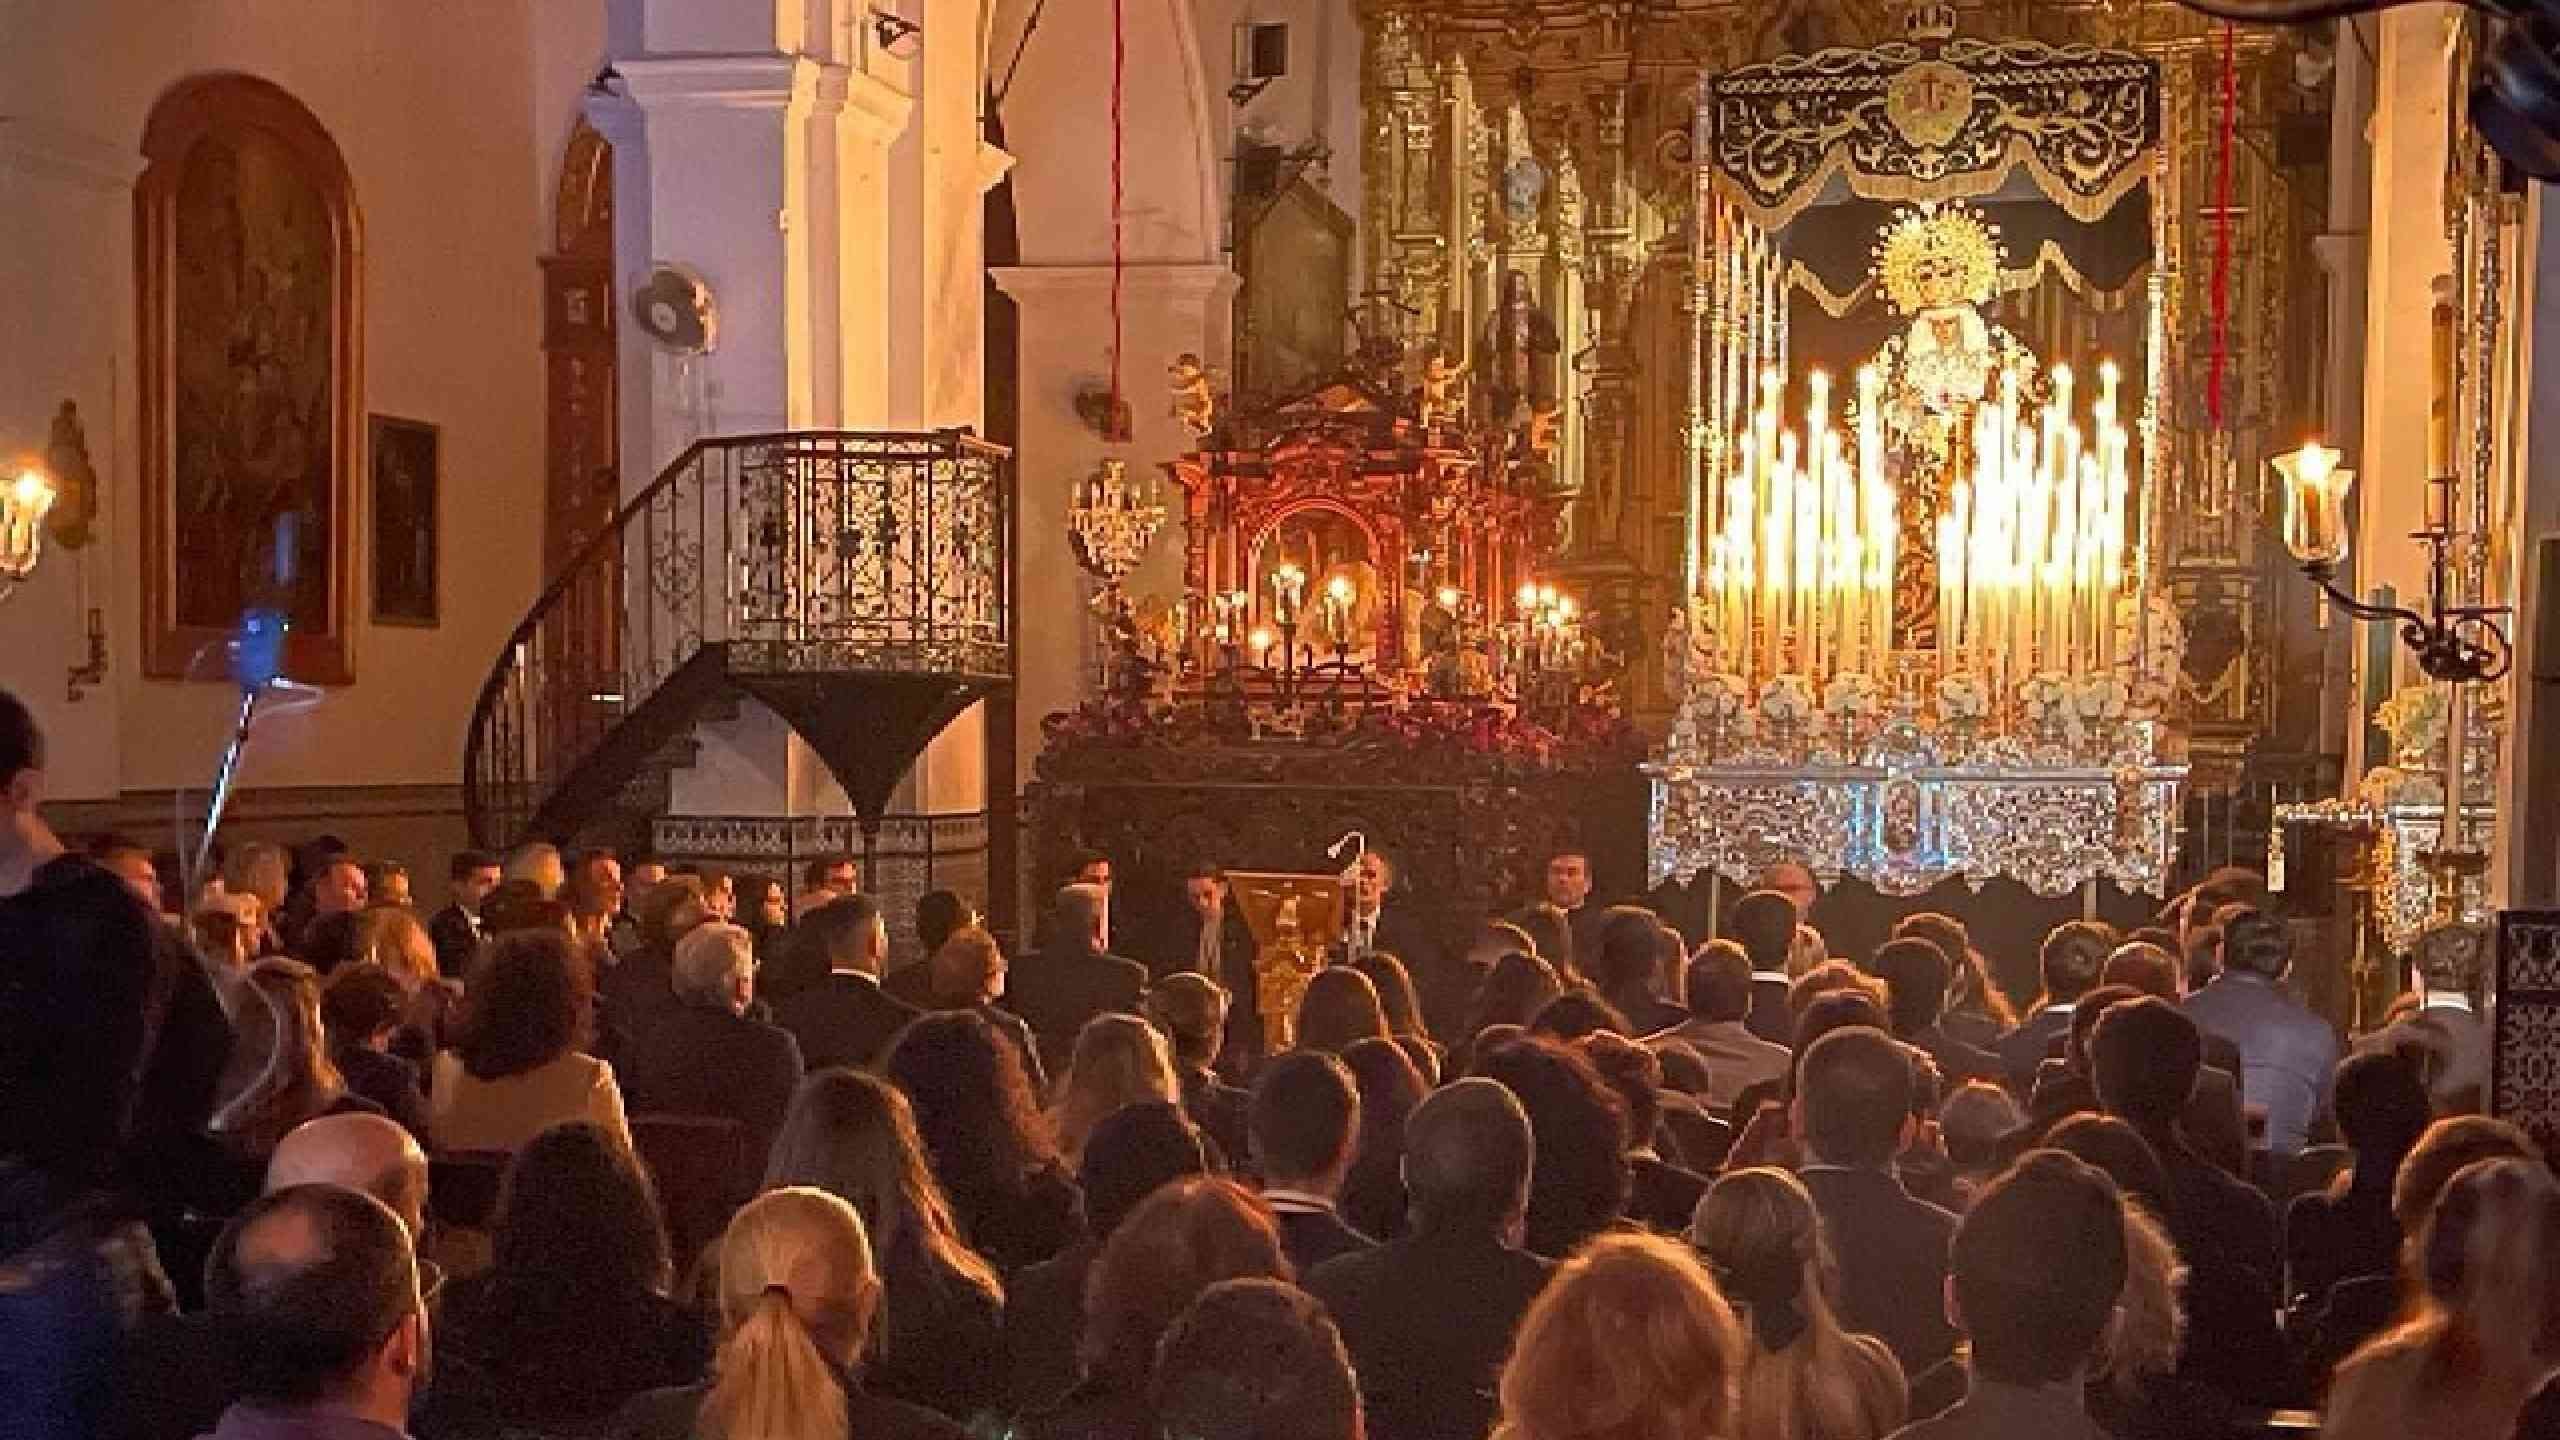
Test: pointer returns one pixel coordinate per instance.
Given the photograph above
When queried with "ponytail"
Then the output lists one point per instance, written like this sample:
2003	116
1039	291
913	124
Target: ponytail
773	1382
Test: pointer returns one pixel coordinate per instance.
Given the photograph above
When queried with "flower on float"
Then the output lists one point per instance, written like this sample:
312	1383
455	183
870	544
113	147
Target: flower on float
1963	695
1852	693
2042	696
1722	696
2101	696
1787	699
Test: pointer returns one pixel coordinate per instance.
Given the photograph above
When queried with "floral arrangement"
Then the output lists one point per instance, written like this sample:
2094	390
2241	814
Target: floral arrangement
2101	698
1787	699
2044	697
1963	696
1721	696
2415	717
1852	694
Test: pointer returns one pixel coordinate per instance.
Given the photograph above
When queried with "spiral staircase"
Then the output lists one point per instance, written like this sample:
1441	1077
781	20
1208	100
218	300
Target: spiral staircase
856	583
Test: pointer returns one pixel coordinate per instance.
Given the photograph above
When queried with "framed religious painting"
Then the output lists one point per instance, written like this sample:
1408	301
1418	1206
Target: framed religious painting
248	253
406	483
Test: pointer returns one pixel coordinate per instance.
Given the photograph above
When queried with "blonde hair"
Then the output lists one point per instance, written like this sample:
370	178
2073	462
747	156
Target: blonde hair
1119	1060
2151	1324
797	1298
1803	1376
392	938
2484	1323
1630	1341
966	964
300	1080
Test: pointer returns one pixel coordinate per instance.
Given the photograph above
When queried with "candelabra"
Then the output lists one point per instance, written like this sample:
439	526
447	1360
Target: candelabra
24	502
1112	522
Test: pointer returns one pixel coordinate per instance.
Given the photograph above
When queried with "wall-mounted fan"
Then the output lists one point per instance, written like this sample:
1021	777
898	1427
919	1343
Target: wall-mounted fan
674	308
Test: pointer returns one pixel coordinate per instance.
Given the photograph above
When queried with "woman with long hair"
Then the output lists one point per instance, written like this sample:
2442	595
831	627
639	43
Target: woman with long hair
988	1142
1119	1060
300	1081
853	1135
391	937
1513	992
1400	1003
2482	1333
1341	1005
1578	1183
573	1318
1803	1376
1976	1012
515	1069
798	1299
1391	1087
1631	1341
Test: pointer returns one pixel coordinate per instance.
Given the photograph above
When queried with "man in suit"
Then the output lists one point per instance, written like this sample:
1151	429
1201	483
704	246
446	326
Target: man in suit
455	929
2444	1033
1764	925
825	880
1627	967
1211	939
1428	1318
2211	1122
1305	1116
940	914
1568	888
1720	995
846	1018
2287	1054
705	1057
1917	972
2073	955
1380	924
1078	977
1853	1110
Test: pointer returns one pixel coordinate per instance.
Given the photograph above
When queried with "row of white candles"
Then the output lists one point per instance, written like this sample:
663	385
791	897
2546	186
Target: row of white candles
2030	547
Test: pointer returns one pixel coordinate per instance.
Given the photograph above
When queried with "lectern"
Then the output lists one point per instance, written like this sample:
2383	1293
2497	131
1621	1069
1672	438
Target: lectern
1293	918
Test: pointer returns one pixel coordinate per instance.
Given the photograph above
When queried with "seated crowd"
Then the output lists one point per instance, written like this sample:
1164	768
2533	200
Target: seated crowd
587	1152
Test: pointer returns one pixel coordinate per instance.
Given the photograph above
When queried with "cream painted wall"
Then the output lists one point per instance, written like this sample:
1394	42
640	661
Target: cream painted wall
448	132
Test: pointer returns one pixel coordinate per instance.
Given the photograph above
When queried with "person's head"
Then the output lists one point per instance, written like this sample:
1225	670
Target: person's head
2036	1270
519	905
1083	914
360	1007
1763	923
133	865
300	1080
2073	954
1512	993
853	1135
1371	880
1720	981
968	969
538	861
762	903
940	914
1205	888
317	1288
2381	1104
1827	1010
2146	967
973	1100
1136	1151
1915	971
21	764
849	932
2448	958
1391	1084
1340	1005
1255	1359
2085	1016
226	939
1762	1239
1972	1119
386	882
831	875
595	885
1119	1060
1186	1237
1191	1010
391	937
1091	867
2488	1261
2144	1056
1304	1117
339	887
1949	934
1579	1185
1628	966
361	1152
1634	1073
1853	1098
1568	879
1467	1157
471	875
1631	1340
1397	999
259	868
577	1222
671	908
798	1296
642	869
1794	881
1578	1012
1550	933
2256	943
715	966
2116	1148
525	1006
2449	1146
1684	1068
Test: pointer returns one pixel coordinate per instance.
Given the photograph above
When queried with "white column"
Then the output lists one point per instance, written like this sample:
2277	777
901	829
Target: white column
1065	339
2344	253
2528	871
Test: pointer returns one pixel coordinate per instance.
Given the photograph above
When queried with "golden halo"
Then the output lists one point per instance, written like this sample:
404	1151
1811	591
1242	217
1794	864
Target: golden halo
1932	236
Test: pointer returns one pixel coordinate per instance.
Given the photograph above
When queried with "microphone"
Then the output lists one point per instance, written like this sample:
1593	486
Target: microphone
1349	838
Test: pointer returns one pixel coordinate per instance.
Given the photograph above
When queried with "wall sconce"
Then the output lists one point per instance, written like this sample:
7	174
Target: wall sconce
25	500
2459	643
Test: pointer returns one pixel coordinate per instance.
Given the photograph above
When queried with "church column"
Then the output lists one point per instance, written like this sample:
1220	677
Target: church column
2344	253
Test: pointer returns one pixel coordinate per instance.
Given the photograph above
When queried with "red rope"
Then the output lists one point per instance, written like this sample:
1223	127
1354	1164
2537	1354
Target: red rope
1119	71
2222	224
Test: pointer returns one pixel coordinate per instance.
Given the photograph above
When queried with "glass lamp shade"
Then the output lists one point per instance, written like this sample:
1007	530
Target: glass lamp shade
2315	508
24	502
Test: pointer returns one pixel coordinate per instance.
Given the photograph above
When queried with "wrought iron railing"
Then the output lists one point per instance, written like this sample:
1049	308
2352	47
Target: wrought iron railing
807	552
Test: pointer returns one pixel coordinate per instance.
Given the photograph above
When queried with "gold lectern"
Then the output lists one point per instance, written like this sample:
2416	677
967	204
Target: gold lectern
1293	918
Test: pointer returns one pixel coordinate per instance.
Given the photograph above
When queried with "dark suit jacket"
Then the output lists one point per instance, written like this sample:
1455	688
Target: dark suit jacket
912	984
1892	1253
1043	1323
1957	1062
2024	1049
1769	1017
1311	1237
1057	990
1220	1110
2211	1121
1428	1321
1401	933
2225	1229
702	1060
455	941
1662	1196
633	995
843	1020
387	1081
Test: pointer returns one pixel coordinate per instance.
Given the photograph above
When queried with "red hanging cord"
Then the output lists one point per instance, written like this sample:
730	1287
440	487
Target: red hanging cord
1119	71
2222	224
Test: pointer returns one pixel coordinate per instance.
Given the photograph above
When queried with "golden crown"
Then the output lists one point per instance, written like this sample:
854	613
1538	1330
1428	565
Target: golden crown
1936	236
